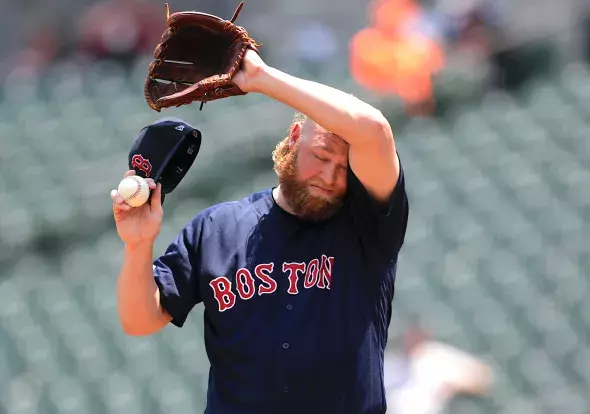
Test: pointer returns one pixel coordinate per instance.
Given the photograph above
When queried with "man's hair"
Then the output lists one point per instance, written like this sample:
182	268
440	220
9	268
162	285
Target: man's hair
282	148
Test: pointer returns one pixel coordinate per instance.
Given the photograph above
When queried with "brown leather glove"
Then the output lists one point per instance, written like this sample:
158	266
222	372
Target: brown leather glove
196	59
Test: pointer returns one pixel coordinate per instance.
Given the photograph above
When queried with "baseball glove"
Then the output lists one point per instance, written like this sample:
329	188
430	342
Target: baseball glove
196	60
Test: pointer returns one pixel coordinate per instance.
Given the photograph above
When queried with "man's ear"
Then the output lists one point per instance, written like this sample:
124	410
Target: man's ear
294	134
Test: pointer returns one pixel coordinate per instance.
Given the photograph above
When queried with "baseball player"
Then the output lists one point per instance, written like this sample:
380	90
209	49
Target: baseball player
296	280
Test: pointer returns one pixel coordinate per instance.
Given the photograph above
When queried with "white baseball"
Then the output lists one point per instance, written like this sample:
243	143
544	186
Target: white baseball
134	190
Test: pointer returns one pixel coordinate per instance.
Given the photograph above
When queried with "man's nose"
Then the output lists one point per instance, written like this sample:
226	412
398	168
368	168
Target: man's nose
329	175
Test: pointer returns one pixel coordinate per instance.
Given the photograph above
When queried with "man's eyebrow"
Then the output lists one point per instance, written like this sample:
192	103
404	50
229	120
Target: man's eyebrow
329	150
325	147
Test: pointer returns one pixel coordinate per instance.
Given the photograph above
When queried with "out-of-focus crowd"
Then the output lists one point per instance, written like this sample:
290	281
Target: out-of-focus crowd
390	46
492	297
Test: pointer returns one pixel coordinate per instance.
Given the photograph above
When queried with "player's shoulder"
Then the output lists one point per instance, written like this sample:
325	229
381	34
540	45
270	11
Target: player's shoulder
251	206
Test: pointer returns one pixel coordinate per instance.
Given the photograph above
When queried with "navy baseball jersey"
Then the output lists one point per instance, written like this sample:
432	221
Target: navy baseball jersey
296	312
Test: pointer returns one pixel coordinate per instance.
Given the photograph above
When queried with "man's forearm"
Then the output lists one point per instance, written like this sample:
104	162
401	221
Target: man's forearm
339	112
138	296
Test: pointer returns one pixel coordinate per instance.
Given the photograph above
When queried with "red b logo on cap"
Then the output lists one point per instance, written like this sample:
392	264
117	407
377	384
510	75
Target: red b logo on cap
137	161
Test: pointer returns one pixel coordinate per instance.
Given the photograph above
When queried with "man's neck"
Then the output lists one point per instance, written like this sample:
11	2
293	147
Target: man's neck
280	200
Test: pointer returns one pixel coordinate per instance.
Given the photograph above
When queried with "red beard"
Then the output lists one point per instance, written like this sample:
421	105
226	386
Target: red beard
296	193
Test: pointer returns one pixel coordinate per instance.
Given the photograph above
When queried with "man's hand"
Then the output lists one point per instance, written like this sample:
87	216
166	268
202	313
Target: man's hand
253	67
138	225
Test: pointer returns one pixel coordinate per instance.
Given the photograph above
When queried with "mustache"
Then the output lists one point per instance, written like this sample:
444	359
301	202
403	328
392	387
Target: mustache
324	187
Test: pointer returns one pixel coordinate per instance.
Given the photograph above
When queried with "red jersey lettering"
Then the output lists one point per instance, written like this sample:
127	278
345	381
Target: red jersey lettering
226	299
311	274
245	284
325	276
262	272
293	268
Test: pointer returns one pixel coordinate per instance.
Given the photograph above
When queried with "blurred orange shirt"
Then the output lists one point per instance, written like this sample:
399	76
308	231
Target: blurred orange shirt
390	60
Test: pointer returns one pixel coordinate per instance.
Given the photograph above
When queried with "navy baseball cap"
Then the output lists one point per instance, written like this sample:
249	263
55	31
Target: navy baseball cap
164	151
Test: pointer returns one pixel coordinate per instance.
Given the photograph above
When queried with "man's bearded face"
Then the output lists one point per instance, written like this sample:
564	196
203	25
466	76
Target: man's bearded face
312	172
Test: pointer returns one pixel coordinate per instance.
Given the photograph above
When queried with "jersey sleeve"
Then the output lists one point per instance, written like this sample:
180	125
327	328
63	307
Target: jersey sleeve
382	226
176	273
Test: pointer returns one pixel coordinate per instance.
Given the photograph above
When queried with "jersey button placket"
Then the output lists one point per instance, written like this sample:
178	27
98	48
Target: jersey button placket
285	387
287	300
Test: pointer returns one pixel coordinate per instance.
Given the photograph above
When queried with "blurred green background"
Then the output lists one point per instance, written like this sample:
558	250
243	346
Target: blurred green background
497	250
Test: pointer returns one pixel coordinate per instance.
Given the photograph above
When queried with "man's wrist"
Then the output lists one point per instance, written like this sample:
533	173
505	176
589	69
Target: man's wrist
143	246
263	79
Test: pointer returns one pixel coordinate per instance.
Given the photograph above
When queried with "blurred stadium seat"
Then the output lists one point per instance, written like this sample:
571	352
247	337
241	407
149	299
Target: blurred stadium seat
495	257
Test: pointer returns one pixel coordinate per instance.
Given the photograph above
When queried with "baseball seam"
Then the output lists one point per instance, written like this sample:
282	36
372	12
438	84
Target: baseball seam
137	191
